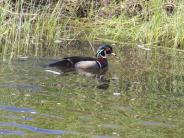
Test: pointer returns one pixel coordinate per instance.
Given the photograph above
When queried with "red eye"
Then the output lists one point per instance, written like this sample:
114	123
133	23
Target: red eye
108	50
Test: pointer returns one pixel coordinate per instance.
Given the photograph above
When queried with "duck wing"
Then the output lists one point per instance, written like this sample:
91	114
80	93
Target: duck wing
69	62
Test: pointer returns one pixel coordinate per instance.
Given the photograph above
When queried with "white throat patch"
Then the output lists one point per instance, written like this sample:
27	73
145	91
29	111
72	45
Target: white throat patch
99	54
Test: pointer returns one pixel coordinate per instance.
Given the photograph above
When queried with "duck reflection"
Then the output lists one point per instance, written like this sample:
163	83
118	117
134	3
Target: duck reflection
98	75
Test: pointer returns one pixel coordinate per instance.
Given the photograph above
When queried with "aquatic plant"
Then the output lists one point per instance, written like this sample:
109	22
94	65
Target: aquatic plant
37	28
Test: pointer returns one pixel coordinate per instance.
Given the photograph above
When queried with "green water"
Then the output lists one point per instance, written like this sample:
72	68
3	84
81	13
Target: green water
143	97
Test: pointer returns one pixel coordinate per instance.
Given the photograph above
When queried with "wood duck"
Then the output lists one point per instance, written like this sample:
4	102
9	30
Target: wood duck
88	64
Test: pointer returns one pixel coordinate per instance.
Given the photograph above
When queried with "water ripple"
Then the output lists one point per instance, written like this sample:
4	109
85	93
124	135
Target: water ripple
151	123
36	129
16	109
11	132
16	117
32	87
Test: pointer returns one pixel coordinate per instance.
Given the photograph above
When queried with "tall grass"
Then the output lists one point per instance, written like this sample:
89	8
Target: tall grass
45	29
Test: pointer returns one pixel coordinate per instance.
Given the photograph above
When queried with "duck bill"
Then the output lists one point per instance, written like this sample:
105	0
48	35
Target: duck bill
113	54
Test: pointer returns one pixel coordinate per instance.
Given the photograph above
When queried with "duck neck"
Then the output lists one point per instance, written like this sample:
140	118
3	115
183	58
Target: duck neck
102	62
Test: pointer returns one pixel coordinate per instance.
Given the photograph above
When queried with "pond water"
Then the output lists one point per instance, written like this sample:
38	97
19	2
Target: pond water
142	96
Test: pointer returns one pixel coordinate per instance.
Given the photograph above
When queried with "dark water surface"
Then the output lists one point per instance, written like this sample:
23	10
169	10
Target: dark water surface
142	96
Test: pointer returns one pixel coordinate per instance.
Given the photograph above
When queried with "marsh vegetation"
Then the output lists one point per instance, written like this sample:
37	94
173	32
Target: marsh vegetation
40	27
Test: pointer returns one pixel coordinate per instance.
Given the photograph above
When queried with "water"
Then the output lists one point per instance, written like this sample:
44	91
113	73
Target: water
142	96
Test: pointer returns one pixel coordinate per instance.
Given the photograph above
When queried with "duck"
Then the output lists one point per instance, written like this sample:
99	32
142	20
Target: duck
86	64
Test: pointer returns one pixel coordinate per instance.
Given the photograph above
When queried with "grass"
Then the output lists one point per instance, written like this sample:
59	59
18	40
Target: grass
47	28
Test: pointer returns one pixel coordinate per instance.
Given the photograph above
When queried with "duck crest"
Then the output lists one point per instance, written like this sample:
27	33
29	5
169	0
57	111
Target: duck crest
102	63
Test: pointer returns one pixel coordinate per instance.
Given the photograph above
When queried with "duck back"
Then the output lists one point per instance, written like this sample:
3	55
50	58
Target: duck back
69	62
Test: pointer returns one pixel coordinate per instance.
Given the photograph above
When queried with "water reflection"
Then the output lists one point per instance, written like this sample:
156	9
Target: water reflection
98	75
141	96
36	129
16	109
105	136
157	124
16	117
3	132
32	87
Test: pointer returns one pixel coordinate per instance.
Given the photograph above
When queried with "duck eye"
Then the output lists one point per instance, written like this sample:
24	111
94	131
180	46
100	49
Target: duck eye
108	51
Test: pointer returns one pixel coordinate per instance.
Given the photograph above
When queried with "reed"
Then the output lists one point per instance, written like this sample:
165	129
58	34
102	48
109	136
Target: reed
44	29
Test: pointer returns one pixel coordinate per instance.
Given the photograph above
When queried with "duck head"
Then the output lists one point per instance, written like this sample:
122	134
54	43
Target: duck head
104	50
